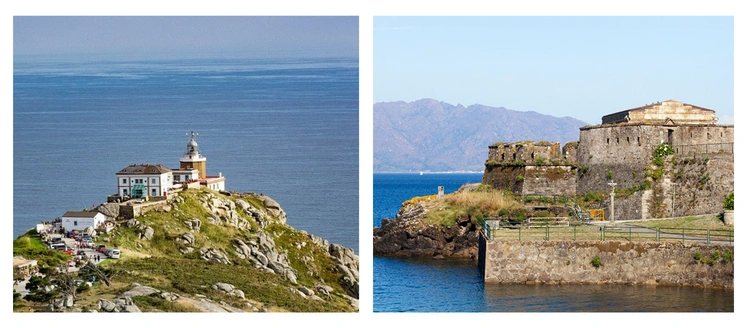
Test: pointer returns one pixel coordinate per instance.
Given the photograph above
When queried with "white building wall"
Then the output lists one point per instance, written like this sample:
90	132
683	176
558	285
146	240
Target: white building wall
155	185
76	223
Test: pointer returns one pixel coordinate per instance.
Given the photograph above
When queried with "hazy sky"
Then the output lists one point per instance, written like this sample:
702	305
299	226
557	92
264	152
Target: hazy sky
151	36
583	67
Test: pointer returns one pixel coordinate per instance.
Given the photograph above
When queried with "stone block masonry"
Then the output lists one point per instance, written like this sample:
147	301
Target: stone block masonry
568	262
531	168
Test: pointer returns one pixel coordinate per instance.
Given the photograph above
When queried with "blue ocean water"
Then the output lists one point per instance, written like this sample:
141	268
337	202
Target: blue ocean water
287	128
426	285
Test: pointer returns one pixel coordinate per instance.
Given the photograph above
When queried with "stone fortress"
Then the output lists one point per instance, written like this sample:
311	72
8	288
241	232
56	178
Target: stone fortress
694	180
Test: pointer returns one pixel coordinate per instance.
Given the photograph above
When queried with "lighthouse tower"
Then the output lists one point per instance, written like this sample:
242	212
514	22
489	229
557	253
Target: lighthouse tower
192	159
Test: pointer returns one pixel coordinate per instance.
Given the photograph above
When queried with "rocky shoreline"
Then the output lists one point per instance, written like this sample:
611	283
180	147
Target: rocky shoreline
408	235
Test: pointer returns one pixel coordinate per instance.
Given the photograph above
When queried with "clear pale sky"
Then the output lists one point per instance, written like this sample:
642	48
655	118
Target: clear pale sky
582	67
152	36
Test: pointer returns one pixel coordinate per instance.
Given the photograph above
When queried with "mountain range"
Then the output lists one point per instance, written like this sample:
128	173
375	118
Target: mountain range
430	135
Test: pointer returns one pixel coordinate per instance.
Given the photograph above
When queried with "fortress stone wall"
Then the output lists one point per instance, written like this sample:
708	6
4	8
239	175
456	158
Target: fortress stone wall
567	262
530	168
622	151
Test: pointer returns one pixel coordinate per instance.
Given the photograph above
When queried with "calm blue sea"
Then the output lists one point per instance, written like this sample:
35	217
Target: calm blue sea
287	128
425	285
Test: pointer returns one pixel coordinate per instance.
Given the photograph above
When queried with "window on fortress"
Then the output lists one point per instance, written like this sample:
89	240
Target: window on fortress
607	141
638	141
532	155
627	139
617	140
503	157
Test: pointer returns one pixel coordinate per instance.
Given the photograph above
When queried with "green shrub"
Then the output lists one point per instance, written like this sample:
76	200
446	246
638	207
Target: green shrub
663	150
645	185
655	174
658	161
596	262
727	256
542	213
540	160
610	175
519	178
503	213
519	214
593	196
704	179
483	188
82	288
729	202
698	256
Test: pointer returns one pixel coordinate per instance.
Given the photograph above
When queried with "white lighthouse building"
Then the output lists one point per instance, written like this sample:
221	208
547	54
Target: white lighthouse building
143	180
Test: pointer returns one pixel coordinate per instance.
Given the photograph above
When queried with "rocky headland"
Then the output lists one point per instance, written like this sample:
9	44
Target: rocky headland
202	251
410	234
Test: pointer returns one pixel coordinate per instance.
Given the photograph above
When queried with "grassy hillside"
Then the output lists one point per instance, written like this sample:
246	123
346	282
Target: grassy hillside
163	263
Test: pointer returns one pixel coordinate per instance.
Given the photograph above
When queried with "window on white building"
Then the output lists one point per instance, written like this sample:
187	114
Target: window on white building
153	192
124	181
152	181
75	223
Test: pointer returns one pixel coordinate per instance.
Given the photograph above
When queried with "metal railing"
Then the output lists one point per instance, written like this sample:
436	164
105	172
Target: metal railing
603	233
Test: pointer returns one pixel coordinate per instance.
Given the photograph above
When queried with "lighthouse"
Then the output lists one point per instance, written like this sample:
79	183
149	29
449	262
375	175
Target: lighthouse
193	159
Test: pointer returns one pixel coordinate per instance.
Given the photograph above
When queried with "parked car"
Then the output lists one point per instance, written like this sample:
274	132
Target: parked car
58	246
81	252
69	251
101	248
87	243
113	253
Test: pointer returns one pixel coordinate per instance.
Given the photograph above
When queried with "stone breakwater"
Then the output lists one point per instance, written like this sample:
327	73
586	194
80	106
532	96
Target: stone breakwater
567	262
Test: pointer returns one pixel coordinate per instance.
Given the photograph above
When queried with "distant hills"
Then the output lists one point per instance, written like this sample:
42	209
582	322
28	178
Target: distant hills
430	135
